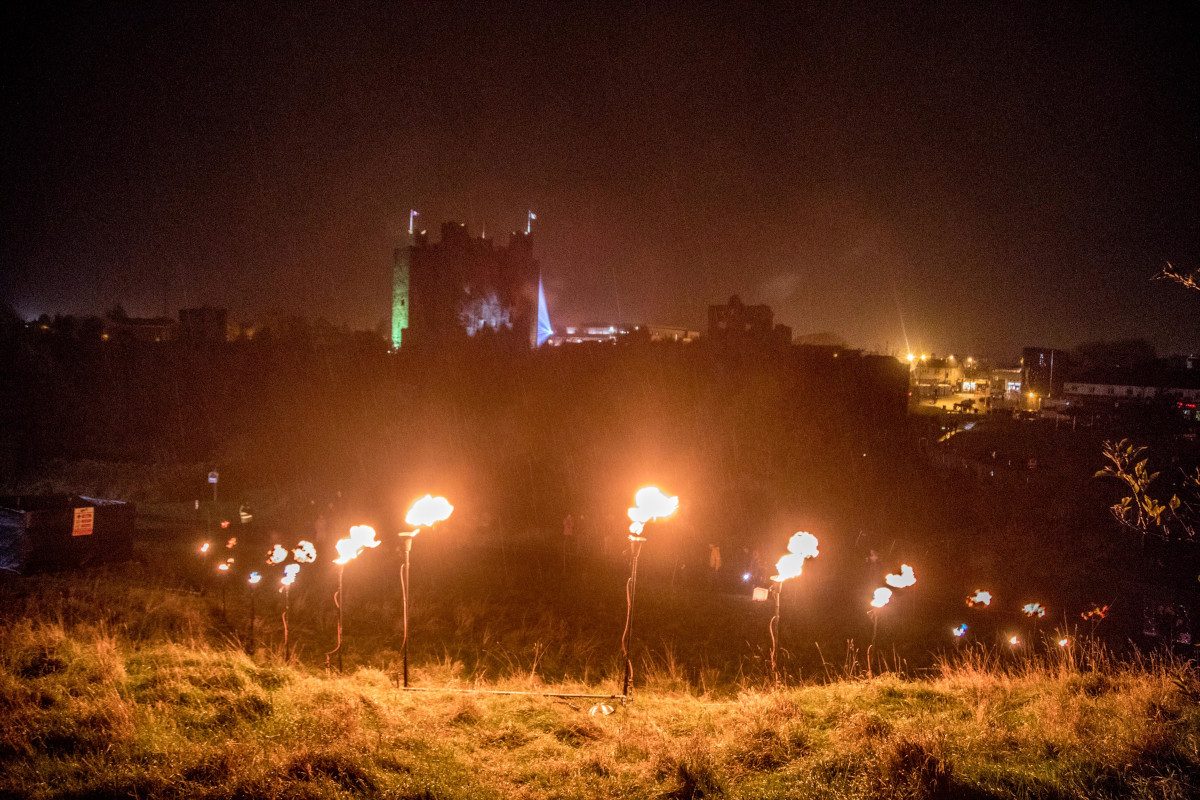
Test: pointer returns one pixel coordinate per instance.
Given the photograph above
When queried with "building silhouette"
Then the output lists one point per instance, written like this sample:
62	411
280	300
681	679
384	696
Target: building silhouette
736	323
464	287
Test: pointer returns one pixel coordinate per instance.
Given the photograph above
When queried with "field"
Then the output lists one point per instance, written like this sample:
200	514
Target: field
115	685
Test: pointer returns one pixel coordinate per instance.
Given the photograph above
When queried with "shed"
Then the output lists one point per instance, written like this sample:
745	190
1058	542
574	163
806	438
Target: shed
40	532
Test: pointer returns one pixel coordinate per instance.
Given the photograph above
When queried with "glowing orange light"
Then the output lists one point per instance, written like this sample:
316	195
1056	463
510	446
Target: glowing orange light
905	578
882	597
980	598
305	552
428	510
204	547
361	536
1014	640
650	503
802	545
1063	642
1099	612
224	567
231	543
225	523
1034	610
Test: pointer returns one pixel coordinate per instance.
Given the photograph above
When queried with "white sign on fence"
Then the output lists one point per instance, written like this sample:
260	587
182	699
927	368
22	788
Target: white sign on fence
85	521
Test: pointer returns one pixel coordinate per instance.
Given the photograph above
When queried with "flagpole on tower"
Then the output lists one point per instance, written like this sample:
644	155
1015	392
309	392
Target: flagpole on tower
529	223
412	214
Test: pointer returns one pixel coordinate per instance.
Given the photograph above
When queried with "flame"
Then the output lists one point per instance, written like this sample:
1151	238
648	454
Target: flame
305	552
224	523
980	598
428	510
361	536
1099	612
1063	642
277	555
231	543
1013	640
204	547
225	566
802	545
289	574
1034	610
905	578
255	578
650	503
883	596
960	631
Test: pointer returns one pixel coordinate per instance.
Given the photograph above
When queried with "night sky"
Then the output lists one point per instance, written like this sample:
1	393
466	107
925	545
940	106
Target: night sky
967	177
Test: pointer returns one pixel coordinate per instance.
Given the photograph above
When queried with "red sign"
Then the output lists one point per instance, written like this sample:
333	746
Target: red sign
85	520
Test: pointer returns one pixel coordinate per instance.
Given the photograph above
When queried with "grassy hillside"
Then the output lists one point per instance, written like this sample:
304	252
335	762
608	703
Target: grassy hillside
111	688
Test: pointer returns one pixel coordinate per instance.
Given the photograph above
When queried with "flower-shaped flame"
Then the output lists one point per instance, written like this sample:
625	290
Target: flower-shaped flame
255	578
1034	610
1097	613
204	547
882	597
802	545
305	552
980	598
361	536
289	574
960	631
650	503
905	578
428	510
277	555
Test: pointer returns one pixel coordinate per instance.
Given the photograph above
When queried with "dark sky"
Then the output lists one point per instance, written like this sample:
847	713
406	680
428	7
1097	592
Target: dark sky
967	177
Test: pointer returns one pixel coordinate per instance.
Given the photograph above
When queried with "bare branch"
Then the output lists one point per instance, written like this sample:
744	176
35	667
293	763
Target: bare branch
1187	281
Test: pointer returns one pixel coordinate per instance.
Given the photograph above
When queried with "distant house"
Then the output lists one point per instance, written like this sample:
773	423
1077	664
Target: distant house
737	323
1149	383
207	325
140	329
937	377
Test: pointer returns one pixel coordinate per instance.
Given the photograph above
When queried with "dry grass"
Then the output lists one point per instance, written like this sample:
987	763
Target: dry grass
95	705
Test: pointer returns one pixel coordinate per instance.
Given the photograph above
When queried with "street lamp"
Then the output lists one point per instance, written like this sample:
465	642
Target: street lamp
649	503
424	513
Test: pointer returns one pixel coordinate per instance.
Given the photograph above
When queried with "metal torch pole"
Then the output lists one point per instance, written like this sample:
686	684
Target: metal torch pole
340	603
775	631
408	540
626	641
253	594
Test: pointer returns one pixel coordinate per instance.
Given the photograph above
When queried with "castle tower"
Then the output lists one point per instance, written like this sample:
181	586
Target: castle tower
401	263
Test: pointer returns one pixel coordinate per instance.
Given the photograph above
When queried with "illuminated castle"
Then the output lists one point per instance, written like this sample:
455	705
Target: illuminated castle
466	287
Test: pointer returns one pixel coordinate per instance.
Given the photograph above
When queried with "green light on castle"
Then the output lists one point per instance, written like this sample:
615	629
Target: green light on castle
400	294
403	260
